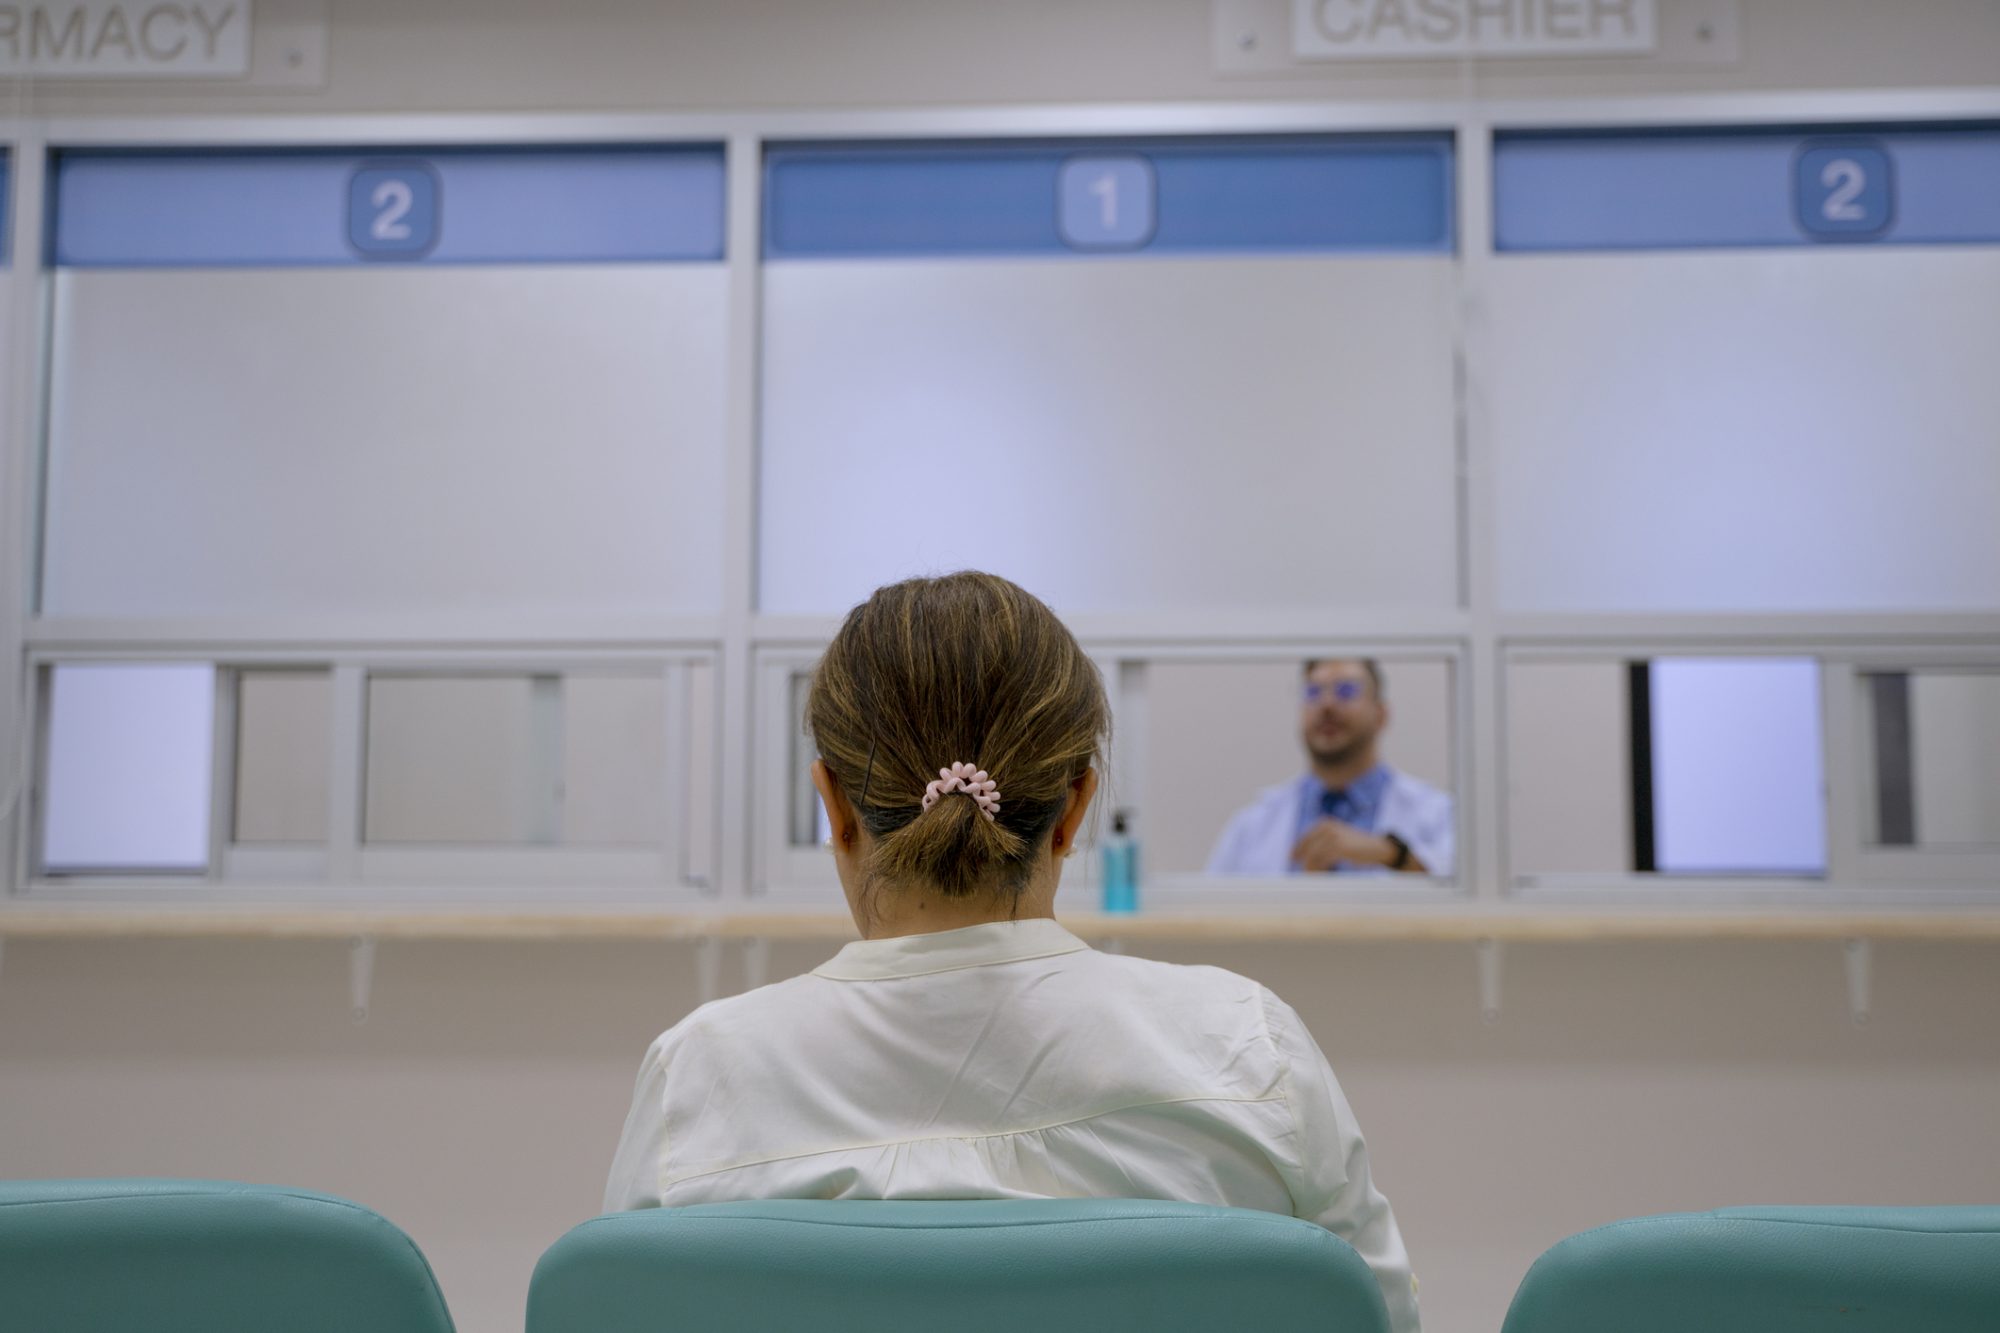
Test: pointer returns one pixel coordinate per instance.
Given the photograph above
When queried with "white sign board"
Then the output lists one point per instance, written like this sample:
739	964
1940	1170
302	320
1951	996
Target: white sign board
1452	29
125	39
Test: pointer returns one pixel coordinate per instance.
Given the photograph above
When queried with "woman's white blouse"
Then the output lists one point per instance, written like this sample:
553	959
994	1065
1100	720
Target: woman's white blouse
1005	1061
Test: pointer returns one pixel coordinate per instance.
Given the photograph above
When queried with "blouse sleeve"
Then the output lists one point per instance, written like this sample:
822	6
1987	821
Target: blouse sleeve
1333	1187
635	1167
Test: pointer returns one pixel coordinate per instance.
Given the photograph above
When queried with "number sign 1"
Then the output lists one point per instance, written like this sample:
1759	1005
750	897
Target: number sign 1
392	210
1106	202
1844	190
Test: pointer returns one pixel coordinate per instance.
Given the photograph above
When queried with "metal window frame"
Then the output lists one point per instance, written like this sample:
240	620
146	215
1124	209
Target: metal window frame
742	644
347	868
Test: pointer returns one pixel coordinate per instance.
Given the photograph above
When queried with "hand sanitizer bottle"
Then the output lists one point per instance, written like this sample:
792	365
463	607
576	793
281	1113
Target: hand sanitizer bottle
1121	867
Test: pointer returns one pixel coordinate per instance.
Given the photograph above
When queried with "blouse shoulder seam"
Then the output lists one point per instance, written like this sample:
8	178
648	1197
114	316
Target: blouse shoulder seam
959	1138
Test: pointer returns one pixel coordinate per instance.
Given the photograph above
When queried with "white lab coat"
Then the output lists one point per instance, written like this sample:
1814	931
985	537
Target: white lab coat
1259	838
1006	1061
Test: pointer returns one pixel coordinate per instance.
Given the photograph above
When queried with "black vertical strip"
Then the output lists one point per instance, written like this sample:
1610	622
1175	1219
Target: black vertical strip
1895	776
1639	692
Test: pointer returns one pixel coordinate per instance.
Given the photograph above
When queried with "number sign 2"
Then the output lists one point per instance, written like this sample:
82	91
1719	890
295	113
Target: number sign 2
1106	202
392	210
1844	190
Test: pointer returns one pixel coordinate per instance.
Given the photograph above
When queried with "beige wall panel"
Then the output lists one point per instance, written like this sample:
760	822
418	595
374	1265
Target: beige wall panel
479	1104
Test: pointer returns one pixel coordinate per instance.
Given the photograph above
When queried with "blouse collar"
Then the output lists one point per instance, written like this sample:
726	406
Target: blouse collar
949	950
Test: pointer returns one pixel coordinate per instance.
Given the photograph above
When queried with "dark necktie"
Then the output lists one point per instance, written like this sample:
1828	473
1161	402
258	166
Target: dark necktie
1336	805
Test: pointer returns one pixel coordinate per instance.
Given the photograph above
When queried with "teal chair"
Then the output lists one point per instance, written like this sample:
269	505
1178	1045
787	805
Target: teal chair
202	1256
1771	1270
1000	1266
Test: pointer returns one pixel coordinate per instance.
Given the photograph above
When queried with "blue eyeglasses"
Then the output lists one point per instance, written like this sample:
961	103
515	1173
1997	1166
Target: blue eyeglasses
1346	691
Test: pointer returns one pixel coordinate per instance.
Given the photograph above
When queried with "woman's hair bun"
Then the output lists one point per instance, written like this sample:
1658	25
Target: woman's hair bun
965	668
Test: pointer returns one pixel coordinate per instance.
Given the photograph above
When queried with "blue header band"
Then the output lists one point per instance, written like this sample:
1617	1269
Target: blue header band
1137	196
455	206
1591	190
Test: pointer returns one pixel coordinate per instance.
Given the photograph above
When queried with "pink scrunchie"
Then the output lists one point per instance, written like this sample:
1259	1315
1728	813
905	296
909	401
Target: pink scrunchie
972	781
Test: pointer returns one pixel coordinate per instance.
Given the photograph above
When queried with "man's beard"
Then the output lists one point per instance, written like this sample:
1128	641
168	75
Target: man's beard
1341	755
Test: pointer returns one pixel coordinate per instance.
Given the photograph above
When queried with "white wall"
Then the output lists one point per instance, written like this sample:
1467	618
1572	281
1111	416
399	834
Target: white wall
478	1105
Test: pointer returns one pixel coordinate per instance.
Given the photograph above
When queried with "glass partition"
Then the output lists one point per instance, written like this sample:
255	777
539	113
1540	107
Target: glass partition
437	383
297	772
1673	766
1248	397
554	760
1742	368
1932	779
127	761
284	756
1265	767
1234	773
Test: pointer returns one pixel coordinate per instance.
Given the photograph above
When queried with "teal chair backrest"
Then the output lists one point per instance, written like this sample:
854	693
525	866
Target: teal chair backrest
203	1256
1771	1270
999	1266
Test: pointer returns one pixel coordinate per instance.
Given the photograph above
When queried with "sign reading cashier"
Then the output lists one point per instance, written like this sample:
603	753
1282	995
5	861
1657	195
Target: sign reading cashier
1447	29
126	39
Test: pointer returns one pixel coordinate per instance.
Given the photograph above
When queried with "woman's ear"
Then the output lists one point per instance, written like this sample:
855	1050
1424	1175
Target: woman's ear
839	811
1080	793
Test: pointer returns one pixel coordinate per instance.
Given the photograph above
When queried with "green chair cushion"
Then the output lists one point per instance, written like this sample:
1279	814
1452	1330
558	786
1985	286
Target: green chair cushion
1771	1270
991	1266
197	1256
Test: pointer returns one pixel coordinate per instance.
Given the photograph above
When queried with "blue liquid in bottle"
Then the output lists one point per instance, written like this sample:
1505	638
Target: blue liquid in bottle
1121	868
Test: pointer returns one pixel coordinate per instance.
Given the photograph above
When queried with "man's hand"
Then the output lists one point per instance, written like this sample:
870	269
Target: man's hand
1329	842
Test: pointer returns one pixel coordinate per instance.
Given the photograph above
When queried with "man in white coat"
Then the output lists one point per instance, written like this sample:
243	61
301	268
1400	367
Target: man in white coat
1349	812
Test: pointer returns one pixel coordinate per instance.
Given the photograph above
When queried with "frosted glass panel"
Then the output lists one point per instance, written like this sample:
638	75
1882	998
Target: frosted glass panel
1219	734
1569	768
575	760
284	755
1113	436
454	760
1738	781
437	441
130	766
1811	430
806	819
1956	748
1934	739
614	766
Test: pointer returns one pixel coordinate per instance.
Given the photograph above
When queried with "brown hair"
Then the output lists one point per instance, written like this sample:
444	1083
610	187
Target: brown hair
931	672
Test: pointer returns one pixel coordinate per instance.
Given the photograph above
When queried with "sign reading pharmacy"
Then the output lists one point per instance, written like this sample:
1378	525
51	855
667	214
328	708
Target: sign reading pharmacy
1449	29
126	39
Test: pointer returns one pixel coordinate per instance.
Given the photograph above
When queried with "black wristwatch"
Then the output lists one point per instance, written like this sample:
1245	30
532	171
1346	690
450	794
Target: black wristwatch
1402	856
